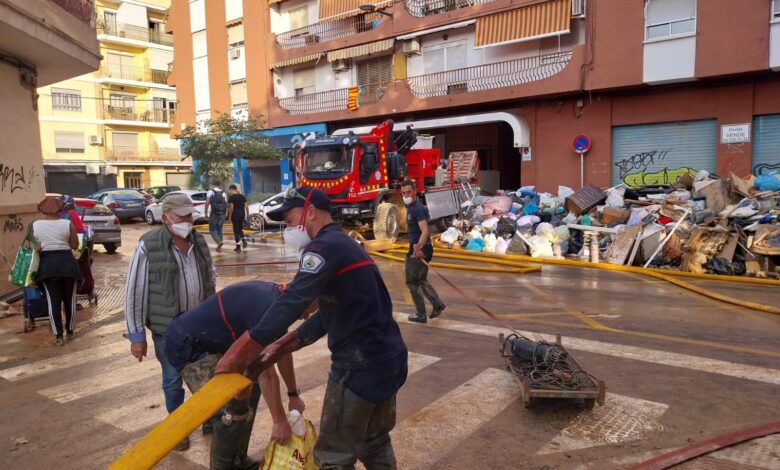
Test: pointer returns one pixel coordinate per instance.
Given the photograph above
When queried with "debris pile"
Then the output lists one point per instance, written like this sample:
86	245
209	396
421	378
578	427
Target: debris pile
702	224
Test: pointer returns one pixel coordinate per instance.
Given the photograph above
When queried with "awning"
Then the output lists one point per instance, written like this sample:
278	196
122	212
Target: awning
271	2
363	49
296	61
524	24
338	9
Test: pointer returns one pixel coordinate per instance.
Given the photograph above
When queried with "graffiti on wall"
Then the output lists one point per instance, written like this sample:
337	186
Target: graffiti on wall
636	170
17	179
13	224
765	168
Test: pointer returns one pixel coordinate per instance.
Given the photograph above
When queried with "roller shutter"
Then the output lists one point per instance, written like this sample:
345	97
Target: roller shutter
766	144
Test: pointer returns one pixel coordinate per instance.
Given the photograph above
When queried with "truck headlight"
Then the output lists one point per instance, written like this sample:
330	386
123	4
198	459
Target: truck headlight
350	210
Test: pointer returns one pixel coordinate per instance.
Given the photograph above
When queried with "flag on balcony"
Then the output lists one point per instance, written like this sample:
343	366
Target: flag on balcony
353	96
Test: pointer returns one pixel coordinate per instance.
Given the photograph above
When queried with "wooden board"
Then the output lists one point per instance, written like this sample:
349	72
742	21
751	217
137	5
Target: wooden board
718	195
585	199
621	247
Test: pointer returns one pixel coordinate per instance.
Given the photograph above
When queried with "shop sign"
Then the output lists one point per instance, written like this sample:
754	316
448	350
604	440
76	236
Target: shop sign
735	133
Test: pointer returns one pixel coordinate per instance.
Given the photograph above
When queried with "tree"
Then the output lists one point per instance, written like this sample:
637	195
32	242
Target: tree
214	143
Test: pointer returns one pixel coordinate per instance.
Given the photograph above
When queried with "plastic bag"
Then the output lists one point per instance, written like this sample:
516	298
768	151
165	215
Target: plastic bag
530	209
497	205
501	245
540	247
767	182
505	227
570	219
450	235
547	200
490	243
546	230
517	246
295	455
528	221
475	244
490	223
562	233
24	257
615	197
564	192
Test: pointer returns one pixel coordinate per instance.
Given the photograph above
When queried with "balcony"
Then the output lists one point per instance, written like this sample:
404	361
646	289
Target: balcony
81	9
133	154
139	33
489	76
423	8
137	74
328	30
333	100
139	114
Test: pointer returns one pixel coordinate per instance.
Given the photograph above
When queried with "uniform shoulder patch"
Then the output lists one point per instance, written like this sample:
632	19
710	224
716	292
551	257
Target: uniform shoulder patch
312	262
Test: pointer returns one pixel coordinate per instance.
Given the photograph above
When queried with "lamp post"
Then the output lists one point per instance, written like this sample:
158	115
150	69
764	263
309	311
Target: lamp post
371	8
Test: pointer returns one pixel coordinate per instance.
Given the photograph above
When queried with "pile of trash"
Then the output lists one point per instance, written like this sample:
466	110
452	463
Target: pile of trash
702	224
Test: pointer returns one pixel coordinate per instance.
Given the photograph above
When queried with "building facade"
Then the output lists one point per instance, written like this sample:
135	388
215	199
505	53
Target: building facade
661	87
112	127
42	43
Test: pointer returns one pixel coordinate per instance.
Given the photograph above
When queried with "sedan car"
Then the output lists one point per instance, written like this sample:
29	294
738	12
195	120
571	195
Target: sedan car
159	191
104	224
125	203
153	213
257	212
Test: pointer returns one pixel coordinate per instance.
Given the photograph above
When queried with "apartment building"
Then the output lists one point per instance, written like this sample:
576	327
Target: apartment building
41	43
661	87
112	127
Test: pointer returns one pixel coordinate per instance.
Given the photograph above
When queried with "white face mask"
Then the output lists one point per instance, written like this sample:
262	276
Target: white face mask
296	238
408	200
182	229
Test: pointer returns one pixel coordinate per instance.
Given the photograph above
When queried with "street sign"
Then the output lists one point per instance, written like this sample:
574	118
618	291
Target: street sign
580	143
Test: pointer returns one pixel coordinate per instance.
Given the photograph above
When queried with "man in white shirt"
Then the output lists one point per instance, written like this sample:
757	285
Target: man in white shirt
216	207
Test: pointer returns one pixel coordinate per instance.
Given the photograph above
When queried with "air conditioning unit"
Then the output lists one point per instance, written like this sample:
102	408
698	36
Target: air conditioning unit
95	140
235	54
110	170
411	47
340	65
92	168
311	39
577	8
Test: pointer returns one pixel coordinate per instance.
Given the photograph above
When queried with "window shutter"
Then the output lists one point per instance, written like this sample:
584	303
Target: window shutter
125	142
238	93
69	140
303	79
236	34
298	18
666	11
373	71
199	44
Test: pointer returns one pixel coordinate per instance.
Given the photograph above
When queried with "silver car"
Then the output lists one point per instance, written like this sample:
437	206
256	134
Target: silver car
104	224
153	213
257	212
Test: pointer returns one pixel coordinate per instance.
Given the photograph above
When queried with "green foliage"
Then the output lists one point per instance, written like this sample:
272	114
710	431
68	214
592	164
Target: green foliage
214	143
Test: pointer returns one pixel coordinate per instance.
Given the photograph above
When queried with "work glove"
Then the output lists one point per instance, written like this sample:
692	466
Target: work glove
241	355
274	352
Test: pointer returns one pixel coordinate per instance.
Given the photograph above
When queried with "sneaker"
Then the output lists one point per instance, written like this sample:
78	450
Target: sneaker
417	319
183	445
237	248
69	334
219	246
437	311
244	243
60	341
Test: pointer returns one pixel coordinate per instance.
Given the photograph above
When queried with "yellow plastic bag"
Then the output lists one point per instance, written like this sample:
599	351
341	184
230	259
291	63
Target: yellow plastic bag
297	454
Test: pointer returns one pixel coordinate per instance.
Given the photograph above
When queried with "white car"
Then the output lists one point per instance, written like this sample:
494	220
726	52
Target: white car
257	211
153	213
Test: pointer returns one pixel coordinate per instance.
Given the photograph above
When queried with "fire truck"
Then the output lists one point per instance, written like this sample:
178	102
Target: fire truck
362	175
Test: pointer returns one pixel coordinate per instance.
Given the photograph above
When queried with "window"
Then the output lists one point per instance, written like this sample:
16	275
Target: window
238	93
370	72
234	9
69	142
666	18
444	57
117	100
303	81
109	22
133	179
197	15
199	44
775	8
69	100
298	18
120	66
125	145
235	35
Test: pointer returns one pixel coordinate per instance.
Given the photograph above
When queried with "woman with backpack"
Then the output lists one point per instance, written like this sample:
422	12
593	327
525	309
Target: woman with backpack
216	201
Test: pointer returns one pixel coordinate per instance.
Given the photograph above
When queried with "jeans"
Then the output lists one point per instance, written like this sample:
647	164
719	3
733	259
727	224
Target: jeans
171	379
216	222
417	281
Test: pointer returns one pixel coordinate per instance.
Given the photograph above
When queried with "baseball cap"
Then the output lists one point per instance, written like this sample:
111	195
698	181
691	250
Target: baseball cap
178	203
296	197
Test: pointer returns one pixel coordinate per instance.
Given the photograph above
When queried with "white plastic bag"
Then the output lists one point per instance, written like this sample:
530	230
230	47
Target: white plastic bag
501	245
450	235
570	218
528	221
615	196
490	243
546	230
297	423
562	233
564	192
490	223
540	247
547	200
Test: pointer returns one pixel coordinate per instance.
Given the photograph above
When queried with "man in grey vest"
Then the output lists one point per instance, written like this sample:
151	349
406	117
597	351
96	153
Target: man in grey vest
170	273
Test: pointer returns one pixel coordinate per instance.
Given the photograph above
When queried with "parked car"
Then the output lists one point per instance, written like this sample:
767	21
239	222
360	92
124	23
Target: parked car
125	203
97	194
153	213
257	211
105	225
159	191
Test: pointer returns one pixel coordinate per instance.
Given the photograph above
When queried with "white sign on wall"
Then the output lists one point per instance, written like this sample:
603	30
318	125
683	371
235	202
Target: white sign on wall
734	133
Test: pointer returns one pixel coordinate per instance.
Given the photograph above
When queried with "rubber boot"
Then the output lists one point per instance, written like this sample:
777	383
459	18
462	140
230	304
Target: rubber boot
228	435
243	461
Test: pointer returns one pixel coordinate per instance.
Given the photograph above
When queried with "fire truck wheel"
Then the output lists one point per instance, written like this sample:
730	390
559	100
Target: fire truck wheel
386	222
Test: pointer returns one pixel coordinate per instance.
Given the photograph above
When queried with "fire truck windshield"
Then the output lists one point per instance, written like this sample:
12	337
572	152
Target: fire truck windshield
326	162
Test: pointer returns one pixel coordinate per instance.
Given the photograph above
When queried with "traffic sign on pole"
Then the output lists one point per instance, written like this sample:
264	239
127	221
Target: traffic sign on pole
580	143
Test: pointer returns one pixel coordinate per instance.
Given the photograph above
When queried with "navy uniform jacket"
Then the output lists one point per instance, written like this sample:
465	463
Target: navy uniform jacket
355	311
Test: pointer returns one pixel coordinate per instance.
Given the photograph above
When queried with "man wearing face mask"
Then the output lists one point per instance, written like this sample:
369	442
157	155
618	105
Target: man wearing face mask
355	311
420	248
170	273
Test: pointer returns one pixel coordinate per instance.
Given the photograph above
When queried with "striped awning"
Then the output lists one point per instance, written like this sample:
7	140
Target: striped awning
271	2
338	9
524	24
295	61
363	49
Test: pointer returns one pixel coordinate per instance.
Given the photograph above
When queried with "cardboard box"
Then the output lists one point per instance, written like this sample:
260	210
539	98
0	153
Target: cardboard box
611	214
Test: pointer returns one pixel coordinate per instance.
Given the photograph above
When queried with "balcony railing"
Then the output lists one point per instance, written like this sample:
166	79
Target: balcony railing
139	74
81	9
333	100
328	30
423	8
129	31
133	154
489	76
138	113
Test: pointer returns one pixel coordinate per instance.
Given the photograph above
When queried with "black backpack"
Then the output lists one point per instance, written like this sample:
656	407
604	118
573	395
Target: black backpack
217	202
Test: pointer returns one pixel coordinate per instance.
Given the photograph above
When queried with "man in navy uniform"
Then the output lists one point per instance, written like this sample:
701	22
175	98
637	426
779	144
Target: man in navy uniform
355	311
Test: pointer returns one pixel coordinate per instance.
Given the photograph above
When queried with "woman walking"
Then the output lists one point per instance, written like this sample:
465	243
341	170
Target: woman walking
58	271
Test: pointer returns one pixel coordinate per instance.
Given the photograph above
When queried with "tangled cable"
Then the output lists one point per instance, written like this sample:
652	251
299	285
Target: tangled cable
547	366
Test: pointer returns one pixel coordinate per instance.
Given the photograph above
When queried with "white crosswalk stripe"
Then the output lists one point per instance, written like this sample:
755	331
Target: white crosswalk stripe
44	366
